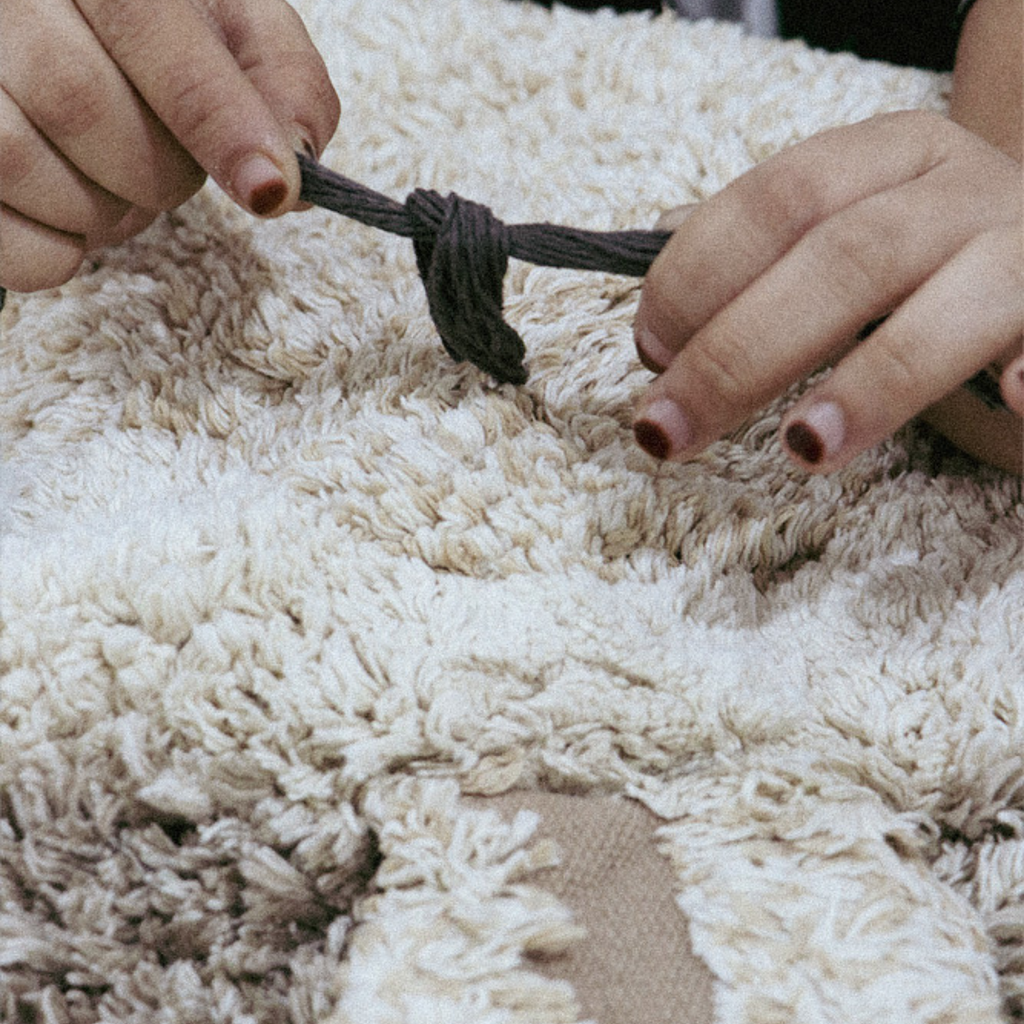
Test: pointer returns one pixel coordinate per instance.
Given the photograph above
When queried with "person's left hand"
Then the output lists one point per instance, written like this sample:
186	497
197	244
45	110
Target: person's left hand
905	215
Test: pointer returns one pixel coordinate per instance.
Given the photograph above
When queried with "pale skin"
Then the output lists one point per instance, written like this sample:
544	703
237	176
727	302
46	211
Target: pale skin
912	216
112	111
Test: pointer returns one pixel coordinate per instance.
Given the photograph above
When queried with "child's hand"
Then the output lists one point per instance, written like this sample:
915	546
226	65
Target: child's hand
908	215
112	110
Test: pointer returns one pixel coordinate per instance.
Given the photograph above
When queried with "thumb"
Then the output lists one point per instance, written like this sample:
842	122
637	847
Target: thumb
286	69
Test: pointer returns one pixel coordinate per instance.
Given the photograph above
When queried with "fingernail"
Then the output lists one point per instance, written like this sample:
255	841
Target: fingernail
1012	387
663	430
653	354
260	185
818	434
671	219
307	147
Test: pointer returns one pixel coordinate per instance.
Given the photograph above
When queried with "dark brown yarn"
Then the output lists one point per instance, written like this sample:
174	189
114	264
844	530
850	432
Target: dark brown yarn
462	252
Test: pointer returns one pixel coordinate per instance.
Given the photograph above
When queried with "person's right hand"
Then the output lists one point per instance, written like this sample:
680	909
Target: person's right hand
114	110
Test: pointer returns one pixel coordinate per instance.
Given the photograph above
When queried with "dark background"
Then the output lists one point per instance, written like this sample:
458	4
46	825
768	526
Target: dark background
918	33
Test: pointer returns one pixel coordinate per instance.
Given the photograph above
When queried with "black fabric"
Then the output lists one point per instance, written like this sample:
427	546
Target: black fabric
618	5
916	33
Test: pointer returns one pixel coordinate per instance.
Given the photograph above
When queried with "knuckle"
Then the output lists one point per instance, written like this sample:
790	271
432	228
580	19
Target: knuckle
197	106
932	135
861	255
325	101
121	24
320	93
724	371
927	121
299	90
17	157
70	102
923	126
898	372
791	192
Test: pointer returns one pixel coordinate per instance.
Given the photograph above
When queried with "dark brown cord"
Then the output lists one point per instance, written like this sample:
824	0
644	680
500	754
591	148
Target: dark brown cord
462	252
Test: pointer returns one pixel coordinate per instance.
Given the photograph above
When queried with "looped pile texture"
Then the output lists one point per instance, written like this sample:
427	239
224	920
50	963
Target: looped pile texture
282	585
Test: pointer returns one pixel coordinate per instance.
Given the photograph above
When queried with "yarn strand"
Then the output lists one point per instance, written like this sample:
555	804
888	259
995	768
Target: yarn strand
462	252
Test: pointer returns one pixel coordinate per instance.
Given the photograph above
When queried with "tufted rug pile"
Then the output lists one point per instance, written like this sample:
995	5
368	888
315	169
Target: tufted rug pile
286	592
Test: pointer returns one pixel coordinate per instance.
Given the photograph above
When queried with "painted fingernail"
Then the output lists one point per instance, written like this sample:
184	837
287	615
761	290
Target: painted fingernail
653	354
818	435
260	185
663	430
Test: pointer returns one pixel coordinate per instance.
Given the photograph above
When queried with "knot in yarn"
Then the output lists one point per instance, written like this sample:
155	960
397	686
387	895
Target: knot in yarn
462	253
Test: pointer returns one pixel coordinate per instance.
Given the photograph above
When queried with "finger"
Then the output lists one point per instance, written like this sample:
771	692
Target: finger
187	74
40	184
991	435
278	57
734	236
34	256
916	357
862	261
84	106
273	49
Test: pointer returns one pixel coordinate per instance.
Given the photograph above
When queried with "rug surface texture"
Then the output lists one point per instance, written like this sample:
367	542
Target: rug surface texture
285	591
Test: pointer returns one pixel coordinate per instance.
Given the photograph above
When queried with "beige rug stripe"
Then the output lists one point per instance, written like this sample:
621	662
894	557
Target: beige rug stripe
636	965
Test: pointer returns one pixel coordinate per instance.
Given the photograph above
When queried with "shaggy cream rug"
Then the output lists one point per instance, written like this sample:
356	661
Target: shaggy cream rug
285	590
